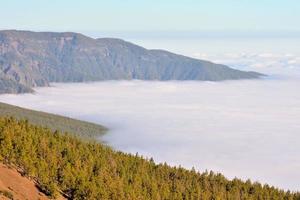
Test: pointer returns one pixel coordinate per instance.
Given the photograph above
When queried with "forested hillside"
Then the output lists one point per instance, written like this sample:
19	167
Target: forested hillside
80	169
79	128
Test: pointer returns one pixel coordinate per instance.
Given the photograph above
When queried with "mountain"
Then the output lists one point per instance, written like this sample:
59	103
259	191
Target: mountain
30	59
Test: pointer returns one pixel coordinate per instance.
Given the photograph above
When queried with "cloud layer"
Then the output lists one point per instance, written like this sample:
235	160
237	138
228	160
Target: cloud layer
274	56
248	129
269	63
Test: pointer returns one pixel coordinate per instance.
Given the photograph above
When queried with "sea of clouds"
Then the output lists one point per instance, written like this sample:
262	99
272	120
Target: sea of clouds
275	65
277	57
249	128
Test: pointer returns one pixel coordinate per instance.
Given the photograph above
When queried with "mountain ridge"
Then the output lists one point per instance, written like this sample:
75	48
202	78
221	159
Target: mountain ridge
30	59
82	129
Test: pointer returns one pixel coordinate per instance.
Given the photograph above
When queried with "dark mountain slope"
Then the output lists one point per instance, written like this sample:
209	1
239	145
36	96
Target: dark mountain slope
29	59
79	128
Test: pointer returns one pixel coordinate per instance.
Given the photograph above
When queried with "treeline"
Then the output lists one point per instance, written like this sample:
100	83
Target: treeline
61	163
79	128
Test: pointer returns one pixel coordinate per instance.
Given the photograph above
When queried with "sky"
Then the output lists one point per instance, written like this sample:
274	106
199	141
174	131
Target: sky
193	16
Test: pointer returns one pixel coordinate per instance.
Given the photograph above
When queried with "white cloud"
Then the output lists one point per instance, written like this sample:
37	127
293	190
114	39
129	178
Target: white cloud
248	129
269	63
272	56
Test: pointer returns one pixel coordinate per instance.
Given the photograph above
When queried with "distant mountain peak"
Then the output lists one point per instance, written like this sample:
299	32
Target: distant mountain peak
29	59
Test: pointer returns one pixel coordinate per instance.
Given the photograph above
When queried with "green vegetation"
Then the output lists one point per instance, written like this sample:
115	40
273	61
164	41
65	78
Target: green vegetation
54	122
7	194
89	170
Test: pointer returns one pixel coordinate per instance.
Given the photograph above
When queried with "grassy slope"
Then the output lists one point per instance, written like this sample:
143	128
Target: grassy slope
54	122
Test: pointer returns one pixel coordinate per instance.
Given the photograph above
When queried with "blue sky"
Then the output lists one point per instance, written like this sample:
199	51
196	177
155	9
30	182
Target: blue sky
155	15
